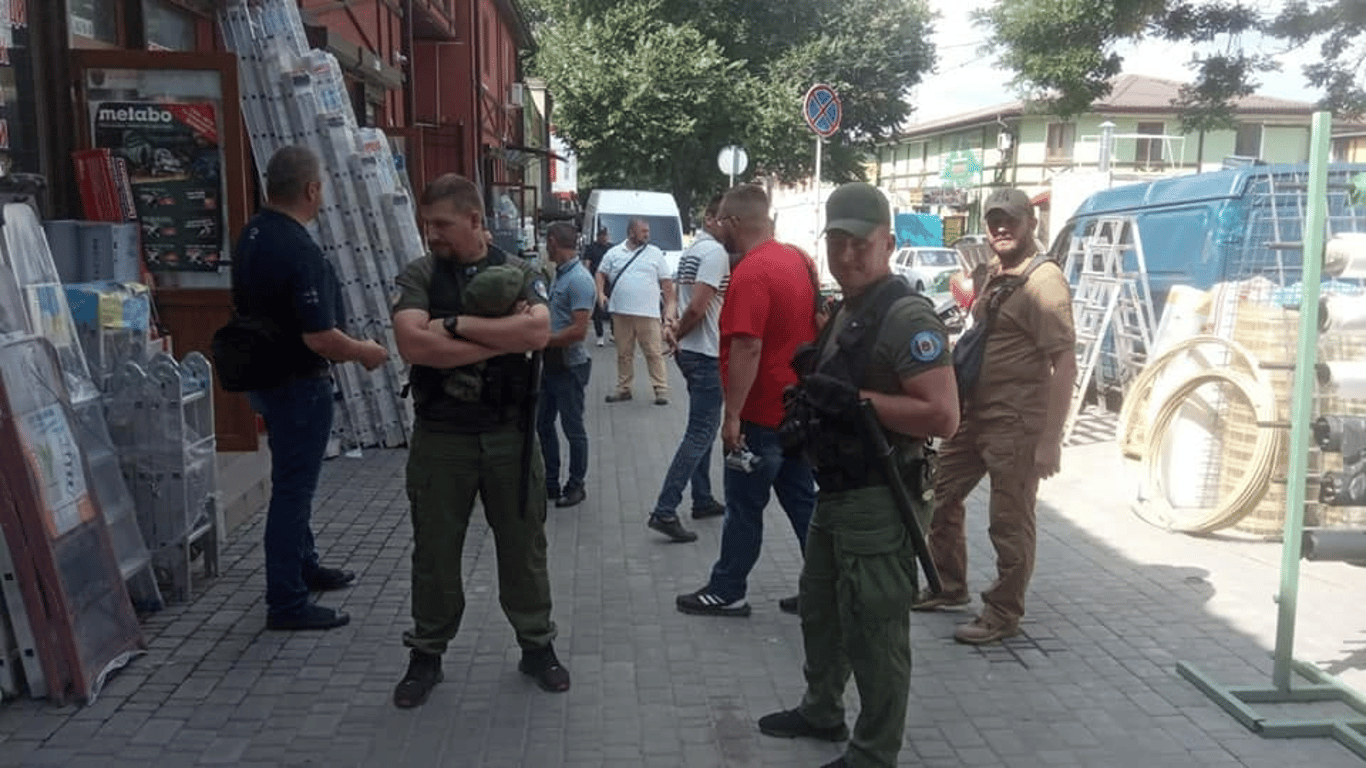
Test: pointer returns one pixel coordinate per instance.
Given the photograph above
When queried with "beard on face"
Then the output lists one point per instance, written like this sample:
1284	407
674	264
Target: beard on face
1010	252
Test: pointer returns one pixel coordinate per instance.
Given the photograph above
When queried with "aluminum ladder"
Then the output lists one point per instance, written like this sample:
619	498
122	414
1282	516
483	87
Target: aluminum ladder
1112	308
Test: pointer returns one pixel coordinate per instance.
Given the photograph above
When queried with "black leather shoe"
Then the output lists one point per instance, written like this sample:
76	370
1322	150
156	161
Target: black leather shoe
714	509
542	664
328	579
311	616
669	526
424	672
618	397
789	724
572	497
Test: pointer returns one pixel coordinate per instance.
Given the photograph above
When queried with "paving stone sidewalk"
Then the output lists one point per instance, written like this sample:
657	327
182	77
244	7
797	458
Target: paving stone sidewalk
1115	603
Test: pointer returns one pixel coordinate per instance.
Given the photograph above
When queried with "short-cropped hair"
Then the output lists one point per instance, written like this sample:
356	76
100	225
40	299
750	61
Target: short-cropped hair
454	187
562	234
290	170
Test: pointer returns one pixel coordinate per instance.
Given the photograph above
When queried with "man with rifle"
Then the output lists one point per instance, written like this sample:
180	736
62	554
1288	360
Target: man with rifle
875	387
470	440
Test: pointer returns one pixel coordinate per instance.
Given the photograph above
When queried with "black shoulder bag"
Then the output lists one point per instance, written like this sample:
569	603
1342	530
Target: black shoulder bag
248	351
971	348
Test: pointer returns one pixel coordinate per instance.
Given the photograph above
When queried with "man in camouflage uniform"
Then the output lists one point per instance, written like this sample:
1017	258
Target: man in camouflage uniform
884	345
464	445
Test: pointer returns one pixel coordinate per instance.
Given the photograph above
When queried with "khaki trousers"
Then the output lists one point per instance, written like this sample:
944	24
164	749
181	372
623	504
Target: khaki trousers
1005	454
630	330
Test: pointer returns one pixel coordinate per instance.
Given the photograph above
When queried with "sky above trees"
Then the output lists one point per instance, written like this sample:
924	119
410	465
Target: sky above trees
967	80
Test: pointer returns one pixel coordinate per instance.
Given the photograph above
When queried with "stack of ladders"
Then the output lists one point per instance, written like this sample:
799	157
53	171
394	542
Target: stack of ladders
368	224
1112	308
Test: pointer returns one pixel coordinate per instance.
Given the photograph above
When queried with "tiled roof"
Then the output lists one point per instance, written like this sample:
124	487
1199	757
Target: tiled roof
1129	94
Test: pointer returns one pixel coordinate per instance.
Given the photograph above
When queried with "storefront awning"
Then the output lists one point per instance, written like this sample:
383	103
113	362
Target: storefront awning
534	151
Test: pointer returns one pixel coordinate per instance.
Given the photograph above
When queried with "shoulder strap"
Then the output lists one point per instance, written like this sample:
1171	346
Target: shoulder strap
854	345
629	262
1008	284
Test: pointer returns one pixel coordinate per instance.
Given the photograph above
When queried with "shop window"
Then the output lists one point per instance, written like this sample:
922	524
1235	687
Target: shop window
167	28
95	23
166	126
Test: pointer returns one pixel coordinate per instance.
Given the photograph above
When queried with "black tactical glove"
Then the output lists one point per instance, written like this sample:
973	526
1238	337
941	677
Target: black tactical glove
832	397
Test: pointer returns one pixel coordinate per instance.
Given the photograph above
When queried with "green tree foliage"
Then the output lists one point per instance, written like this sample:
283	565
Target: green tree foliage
647	91
1064	51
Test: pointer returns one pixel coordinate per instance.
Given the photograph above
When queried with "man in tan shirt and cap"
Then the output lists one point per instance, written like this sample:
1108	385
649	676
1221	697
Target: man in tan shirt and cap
1012	423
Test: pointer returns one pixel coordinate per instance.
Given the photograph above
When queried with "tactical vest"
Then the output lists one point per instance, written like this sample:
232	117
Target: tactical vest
841	455
506	378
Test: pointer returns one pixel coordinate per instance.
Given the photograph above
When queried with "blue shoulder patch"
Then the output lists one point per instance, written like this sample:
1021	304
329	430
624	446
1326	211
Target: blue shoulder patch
927	346
539	289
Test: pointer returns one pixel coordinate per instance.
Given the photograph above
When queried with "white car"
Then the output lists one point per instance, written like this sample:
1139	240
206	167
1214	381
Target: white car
924	266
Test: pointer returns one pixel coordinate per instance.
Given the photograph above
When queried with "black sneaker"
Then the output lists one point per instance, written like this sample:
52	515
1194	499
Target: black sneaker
542	664
311	616
790	604
789	724
424	672
704	603
713	508
572	497
328	579
669	526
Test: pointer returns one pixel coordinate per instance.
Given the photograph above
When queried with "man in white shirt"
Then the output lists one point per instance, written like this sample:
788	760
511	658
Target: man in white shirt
639	278
703	272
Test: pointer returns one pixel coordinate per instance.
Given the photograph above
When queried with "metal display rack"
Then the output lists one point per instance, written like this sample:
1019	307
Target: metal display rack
26	263
161	417
1285	225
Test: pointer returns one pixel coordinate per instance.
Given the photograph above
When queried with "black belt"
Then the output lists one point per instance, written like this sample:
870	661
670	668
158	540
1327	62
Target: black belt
835	481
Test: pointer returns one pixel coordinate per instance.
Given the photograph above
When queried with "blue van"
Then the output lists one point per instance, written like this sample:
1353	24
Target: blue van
1233	224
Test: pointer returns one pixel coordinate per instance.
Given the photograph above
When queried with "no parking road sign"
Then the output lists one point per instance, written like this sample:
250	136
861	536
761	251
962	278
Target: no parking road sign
821	108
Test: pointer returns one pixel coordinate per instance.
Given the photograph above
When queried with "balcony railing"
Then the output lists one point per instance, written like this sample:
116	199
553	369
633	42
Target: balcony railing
1087	151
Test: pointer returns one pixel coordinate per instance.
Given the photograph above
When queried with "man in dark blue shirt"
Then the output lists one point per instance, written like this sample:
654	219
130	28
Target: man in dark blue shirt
279	273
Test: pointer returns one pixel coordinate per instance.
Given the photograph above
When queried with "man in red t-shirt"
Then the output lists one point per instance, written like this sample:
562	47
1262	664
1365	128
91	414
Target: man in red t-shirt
770	310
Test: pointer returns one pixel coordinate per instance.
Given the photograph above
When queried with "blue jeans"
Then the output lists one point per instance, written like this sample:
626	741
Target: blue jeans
562	395
747	494
298	416
692	460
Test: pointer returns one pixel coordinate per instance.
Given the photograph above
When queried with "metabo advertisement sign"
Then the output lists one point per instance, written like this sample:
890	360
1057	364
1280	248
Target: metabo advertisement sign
174	165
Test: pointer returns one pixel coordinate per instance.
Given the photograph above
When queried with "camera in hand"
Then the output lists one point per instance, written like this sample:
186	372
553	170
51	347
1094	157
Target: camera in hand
743	460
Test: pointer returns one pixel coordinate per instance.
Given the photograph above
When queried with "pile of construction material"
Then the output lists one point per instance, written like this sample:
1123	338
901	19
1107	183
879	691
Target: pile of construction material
293	95
1208	417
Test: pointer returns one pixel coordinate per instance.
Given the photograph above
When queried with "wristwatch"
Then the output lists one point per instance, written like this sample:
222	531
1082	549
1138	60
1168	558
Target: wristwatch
450	324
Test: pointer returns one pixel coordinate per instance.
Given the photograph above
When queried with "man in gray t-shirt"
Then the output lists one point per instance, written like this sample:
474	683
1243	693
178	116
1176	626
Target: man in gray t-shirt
567	367
703	271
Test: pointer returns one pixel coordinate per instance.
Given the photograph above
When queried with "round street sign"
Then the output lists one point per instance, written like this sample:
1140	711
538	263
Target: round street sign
821	108
732	160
